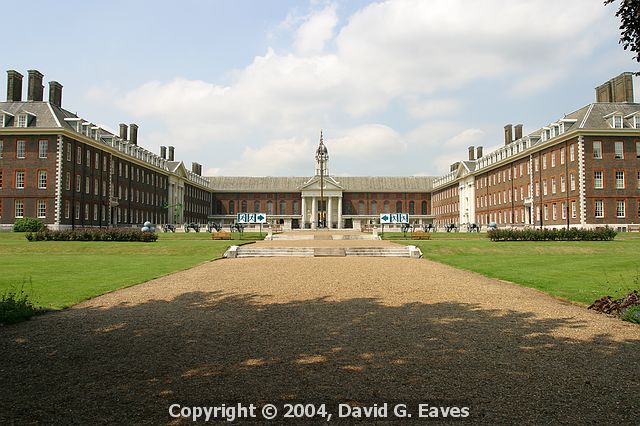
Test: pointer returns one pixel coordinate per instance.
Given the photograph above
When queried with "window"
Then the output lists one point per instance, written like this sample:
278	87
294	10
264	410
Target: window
96	186
1	179
544	187
18	208
104	163
2	146
282	207
554	211
619	179
42	209
88	163
636	121
103	213
424	207
97	161
67	182
78	183
20	179
67	209
617	122
20	152
637	175
597	150
360	207
572	154
563	207
43	146
537	164
597	179
22	122
231	207
295	207
562	156
574	212
599	208
386	206
544	162
79	157
553	185
87	185
399	207
269	207
563	185
68	152
620	208
95	212
619	150
256	206
412	207
553	159
86	211
573	182
42	179
546	212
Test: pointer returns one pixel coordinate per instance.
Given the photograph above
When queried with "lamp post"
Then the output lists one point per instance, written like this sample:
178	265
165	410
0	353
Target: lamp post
321	158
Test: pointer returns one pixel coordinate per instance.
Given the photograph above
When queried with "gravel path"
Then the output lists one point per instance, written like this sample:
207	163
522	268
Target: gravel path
365	330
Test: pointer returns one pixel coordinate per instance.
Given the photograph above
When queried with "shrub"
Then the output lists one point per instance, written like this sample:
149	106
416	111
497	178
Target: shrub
563	234
15	306
28	224
87	234
632	314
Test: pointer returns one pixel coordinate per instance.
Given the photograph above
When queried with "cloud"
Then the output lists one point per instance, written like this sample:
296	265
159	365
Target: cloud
404	57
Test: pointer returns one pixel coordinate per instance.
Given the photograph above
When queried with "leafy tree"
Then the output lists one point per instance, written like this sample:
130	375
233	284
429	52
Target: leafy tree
629	14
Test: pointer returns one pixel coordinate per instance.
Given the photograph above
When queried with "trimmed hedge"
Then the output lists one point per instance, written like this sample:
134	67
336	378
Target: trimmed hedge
106	234
28	224
563	234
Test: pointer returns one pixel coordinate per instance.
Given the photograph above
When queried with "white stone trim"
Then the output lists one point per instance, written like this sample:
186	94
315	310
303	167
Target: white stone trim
58	195
581	182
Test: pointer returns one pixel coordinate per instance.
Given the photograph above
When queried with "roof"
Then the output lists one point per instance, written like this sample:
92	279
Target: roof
293	184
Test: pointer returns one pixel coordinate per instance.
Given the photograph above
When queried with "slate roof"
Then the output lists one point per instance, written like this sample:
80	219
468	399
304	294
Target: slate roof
293	184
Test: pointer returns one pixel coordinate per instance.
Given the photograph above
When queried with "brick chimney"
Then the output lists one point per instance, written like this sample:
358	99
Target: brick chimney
14	86
55	93
508	134
478	153
517	129
35	89
171	153
195	168
133	133
123	132
471	153
163	152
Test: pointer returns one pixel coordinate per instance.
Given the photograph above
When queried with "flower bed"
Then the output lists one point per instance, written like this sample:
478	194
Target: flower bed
107	234
572	234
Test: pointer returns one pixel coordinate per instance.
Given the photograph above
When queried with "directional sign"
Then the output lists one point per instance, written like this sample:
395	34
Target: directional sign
394	218
251	218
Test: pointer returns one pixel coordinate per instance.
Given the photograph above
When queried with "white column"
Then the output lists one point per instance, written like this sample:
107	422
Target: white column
329	208
340	212
304	211
314	212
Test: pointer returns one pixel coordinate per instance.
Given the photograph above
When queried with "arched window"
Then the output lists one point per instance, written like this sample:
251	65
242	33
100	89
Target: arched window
219	208
282	207
231	207
360	207
412	207
399	207
269	207
256	206
386	206
374	207
295	207
424	207
244	206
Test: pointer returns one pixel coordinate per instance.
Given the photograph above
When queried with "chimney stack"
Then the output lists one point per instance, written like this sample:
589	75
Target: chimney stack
508	134
517	129
14	86
196	168
35	88
618	89
123	132
171	153
133	133
478	153
55	93
163	152
471	153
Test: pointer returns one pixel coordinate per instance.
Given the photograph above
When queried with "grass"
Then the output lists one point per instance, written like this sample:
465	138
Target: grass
63	273
580	271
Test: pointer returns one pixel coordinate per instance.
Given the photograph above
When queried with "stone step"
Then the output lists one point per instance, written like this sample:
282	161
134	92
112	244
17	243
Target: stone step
244	252
329	252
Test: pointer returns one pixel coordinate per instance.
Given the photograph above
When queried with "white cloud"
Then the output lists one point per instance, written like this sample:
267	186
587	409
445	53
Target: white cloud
415	54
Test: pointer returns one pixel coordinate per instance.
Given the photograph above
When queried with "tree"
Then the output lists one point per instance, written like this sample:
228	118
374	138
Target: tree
629	14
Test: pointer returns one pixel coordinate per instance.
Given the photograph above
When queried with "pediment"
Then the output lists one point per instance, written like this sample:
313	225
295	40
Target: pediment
329	183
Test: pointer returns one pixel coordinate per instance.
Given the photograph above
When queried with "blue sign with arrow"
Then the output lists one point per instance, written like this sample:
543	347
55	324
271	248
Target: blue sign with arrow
251	218
386	218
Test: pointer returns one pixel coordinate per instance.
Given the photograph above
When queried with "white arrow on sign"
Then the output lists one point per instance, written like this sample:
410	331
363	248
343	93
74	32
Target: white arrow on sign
251	218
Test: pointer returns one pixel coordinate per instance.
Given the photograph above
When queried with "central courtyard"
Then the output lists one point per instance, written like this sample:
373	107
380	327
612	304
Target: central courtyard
320	330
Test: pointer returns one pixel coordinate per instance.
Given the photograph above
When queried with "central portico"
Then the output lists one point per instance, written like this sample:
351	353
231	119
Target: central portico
312	202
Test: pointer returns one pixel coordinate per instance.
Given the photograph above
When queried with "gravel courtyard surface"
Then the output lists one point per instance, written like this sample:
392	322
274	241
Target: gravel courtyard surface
333	330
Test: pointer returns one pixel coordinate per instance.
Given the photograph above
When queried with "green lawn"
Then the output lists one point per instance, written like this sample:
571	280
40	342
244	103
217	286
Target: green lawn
60	274
577	271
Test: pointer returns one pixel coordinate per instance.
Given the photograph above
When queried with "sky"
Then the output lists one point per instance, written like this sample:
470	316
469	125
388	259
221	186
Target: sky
398	87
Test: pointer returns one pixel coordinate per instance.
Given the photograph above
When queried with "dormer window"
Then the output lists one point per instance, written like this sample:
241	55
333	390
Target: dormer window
617	122
636	121
22	120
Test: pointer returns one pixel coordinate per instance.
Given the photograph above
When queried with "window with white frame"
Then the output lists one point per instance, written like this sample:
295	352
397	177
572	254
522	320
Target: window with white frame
597	150
637	149
563	186
78	184
68	152
87	185
79	156
42	209
20	149
544	162
67	209
18	208
554	211
88	163
563	208
546	212
77	212
599	208
637	173
619	150
86	211
597	179
20	179
43	146
95	212
572	152
574	211
553	185
1	178
2	146
544	187
96	187
67	181
42	179
562	156
617	122
97	161
103	213
572	179
22	120
619	179
553	159
620	208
